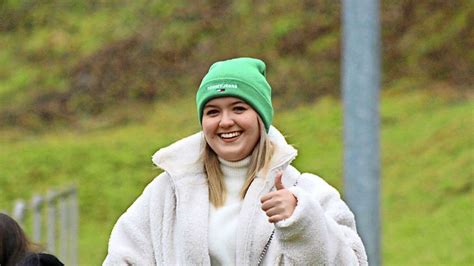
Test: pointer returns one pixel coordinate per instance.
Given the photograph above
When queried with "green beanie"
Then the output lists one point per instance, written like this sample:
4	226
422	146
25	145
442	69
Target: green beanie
243	78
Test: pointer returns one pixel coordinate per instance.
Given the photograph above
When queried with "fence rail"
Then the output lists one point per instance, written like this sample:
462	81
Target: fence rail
62	222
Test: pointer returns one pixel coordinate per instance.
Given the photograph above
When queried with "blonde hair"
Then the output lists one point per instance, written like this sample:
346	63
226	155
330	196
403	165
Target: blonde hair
259	161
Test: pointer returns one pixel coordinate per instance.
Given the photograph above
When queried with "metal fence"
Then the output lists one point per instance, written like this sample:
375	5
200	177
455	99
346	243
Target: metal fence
59	231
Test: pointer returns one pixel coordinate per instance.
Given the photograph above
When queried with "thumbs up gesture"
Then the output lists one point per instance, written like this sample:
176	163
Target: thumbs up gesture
279	204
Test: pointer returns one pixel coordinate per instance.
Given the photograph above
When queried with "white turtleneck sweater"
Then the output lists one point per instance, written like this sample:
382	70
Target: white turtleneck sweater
223	220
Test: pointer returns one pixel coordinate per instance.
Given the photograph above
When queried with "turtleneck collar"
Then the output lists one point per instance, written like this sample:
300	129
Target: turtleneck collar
244	163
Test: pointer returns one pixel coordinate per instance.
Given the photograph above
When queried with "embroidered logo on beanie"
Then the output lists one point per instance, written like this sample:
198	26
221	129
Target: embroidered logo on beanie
221	87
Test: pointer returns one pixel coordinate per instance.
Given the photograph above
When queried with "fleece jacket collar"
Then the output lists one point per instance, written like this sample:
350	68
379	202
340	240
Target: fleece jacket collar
183	158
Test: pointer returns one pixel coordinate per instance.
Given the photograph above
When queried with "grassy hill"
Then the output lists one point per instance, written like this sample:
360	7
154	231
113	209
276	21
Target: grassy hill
66	58
427	172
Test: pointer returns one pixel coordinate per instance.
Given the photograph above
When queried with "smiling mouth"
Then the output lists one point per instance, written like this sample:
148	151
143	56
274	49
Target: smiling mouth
229	135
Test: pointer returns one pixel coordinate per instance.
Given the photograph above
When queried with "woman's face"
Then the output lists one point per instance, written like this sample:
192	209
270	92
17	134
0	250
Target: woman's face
230	127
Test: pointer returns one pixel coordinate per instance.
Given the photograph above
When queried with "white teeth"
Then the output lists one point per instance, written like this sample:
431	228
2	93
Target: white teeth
230	135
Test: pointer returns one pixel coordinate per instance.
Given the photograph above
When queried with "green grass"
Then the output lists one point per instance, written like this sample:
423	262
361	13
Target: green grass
38	57
426	168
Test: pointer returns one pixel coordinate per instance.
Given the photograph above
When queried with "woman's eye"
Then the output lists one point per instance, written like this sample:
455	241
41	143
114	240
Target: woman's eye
212	112
240	109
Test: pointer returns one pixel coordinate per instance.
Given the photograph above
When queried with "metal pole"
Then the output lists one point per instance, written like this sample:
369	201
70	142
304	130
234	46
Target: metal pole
19	212
74	226
51	222
63	209
361	82
36	204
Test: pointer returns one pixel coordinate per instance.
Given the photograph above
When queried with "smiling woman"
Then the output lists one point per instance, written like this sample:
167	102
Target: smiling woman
229	195
230	127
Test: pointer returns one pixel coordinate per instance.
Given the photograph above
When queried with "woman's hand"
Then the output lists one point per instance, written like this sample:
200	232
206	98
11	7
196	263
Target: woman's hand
279	204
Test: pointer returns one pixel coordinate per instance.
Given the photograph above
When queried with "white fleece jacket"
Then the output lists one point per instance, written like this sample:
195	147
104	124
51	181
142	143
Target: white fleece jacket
168	223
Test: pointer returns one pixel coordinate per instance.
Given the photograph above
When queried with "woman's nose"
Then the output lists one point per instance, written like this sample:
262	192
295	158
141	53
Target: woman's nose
226	120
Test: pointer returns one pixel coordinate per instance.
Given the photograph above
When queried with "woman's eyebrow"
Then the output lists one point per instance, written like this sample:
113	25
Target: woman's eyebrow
232	103
210	106
238	102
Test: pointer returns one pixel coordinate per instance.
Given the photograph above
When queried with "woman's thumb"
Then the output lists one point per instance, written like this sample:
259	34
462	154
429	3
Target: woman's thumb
278	183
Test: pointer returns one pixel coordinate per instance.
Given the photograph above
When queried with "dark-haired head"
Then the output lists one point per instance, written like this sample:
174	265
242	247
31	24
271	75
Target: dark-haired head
13	242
